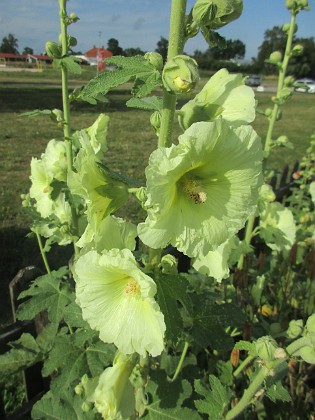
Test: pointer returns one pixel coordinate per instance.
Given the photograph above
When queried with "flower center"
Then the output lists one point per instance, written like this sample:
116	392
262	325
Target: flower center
194	191
132	287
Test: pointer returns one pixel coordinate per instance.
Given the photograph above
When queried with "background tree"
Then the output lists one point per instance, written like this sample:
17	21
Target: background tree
274	40
162	47
28	50
304	65
113	47
130	52
235	49
9	44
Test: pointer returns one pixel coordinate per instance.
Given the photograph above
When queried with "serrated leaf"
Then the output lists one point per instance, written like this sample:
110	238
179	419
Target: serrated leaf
170	290
150	103
210	321
49	293
70	63
25	352
36	113
73	316
277	391
166	399
247	346
216	398
136	69
99	356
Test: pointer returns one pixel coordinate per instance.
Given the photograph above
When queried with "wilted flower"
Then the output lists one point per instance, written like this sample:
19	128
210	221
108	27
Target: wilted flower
201	191
117	299
224	94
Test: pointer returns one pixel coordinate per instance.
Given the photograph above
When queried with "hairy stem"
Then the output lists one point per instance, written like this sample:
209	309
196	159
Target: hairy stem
249	394
181	361
175	47
42	252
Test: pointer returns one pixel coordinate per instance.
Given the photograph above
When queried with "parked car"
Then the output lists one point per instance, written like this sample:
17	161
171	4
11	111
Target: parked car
253	80
304	85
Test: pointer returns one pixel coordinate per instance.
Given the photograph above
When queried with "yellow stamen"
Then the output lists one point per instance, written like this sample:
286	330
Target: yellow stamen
132	287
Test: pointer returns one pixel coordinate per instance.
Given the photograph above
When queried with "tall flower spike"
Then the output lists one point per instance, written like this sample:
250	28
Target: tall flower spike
117	299
224	94
201	191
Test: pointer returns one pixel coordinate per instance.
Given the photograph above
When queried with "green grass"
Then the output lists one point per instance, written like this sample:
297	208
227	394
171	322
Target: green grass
131	140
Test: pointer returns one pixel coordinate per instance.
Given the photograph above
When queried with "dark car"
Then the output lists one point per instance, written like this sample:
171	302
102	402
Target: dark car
253	80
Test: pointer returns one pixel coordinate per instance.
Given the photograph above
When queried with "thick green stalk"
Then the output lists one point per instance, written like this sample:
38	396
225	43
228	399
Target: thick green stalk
272	121
243	365
282	74
181	361
249	394
175	47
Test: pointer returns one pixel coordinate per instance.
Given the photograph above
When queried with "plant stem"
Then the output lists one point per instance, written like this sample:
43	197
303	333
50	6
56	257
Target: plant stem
243	365
249	393
282	74
66	103
175	47
43	253
181	361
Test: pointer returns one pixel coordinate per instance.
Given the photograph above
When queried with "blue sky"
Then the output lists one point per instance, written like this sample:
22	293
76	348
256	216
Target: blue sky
136	23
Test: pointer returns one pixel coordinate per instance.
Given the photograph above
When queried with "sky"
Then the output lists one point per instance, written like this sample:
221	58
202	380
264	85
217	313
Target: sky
137	23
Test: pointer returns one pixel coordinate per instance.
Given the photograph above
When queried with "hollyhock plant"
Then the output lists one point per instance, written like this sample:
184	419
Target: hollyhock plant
117	299
224	94
201	191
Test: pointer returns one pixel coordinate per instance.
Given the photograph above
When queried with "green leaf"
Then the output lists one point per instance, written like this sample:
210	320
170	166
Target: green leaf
216	398
276	391
47	292
25	352
73	316
166	399
247	346
136	69
70	63
36	113
211	319
170	290
153	103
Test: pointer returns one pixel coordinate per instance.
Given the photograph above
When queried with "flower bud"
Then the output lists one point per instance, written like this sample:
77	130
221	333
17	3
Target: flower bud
267	194
275	57
155	121
216	13
155	59
180	74
72	41
268	112
297	50
266	347
295	328
280	353
73	17
53	50
288	81
282	140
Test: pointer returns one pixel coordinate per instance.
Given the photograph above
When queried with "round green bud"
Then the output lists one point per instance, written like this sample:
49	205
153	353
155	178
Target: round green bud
216	13
280	353
268	112
155	121
290	4
53	50
275	57
288	81
180	74
57	115
266	193
286	27
295	328
79	389
297	49
73	17
282	140
155	59
86	407
72	41
266	347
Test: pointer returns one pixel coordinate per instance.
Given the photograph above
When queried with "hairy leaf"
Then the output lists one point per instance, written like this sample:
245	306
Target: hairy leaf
166	399
277	391
49	293
153	103
216	398
136	69
24	353
210	321
170	290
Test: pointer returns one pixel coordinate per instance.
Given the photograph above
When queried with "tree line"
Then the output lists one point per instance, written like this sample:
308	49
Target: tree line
229	56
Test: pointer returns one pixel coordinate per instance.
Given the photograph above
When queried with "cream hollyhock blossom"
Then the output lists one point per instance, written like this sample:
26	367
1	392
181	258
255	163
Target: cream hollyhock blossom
224	94
201	191
279	226
114	395
117	299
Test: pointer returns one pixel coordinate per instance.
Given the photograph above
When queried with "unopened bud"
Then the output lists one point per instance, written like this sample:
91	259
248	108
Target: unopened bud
155	59
288	81
72	41
266	347
282	140
268	112
275	57
73	17
216	13
180	74
53	50
297	49
155	121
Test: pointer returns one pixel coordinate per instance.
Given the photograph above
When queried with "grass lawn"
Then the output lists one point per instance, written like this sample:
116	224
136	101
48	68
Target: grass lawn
131	140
